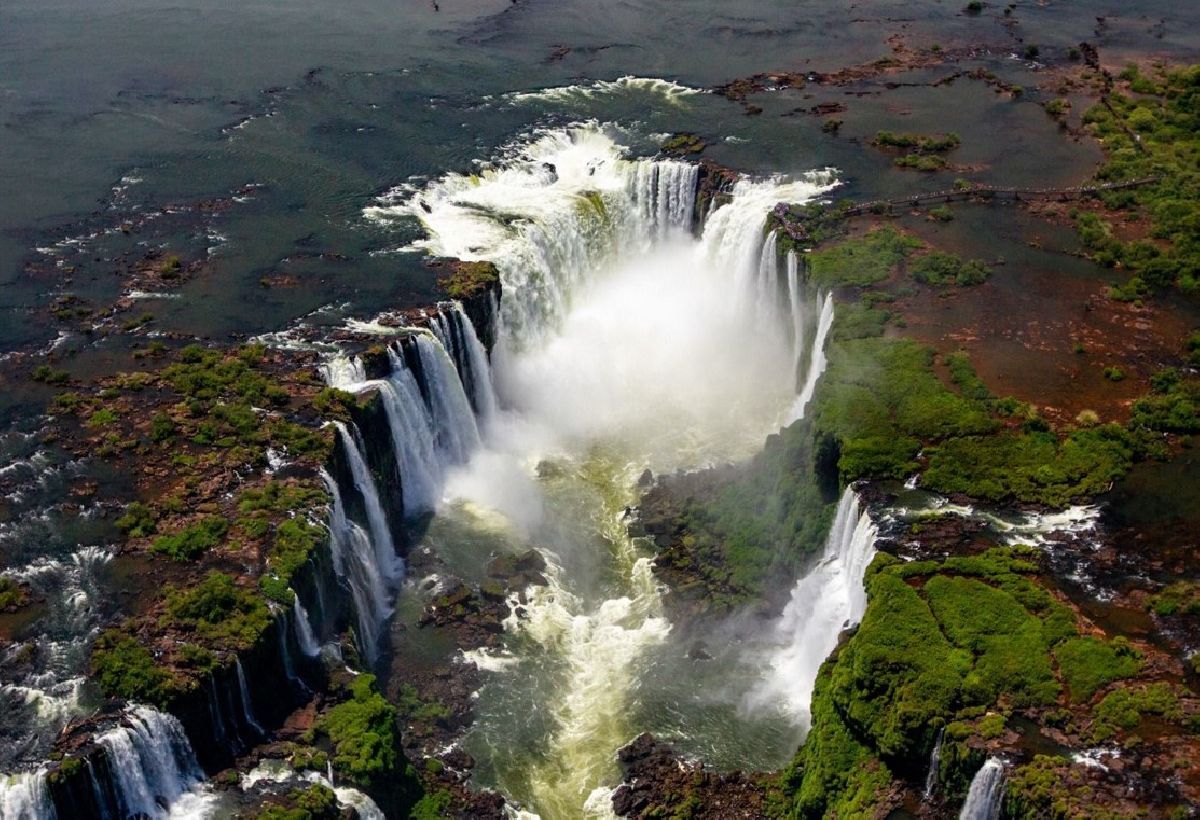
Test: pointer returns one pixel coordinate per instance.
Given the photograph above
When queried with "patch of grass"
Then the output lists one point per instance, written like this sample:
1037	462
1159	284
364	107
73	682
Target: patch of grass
1174	407
920	143
1088	664
947	269
363	733
193	540
12	595
1151	135
862	261
49	375
1179	598
921	162
1035	466
219	611
138	521
469	278
1123	709
125	668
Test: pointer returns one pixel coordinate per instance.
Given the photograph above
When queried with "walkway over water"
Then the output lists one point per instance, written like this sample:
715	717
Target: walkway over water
993	192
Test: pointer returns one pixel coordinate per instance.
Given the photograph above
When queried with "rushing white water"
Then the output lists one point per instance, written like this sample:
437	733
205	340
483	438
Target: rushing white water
44	692
817	361
153	764
25	796
665	90
305	636
277	771
247	704
386	562
453	419
987	789
356	561
935	762
825	601
458	337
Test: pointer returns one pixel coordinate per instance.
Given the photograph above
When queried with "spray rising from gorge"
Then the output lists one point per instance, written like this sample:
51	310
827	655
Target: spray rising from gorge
633	334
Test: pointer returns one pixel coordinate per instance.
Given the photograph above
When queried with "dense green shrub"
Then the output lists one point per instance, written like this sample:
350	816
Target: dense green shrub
861	261
1087	664
138	520
193	540
219	610
125	668
363	733
947	269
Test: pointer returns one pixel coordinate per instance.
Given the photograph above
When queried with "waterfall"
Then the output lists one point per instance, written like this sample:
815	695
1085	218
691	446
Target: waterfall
341	371
987	789
816	363
151	761
247	705
453	418
935	760
386	561
305	637
412	438
561	206
355	561
766	285
824	602
25	796
665	192
795	310
285	653
218	715
454	330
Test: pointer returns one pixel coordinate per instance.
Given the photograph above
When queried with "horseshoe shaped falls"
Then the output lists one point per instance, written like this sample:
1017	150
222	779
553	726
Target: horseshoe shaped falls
512	409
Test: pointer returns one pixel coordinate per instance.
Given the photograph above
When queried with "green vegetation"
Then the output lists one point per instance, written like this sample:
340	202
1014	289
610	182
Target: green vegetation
125	668
49	375
1179	598
1114	374
1088	664
682	145
974	7
947	269
942	213
193	540
410	705
1172	407
219	611
1032	466
1124	708
363	733
920	143
12	595
1049	787
138	521
469	278
432	806
316	802
102	417
938	639
861	261
920	162
1150	135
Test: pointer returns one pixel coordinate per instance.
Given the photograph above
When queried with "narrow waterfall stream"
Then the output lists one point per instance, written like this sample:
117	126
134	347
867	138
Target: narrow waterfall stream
624	342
